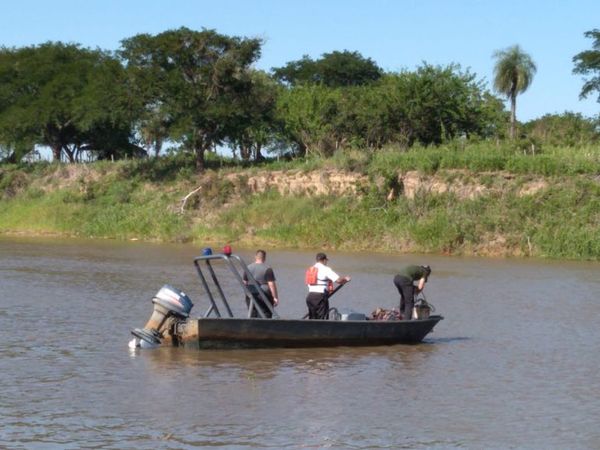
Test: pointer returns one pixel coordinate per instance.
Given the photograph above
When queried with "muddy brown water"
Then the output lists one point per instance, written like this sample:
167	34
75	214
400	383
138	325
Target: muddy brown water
513	365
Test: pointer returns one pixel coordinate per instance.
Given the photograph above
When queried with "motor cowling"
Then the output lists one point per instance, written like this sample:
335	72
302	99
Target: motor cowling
174	301
168	302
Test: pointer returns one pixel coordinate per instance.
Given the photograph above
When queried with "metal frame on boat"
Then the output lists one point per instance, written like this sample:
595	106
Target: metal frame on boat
231	260
219	328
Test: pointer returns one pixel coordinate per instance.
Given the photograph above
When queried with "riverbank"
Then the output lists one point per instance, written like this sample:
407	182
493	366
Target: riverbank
395	202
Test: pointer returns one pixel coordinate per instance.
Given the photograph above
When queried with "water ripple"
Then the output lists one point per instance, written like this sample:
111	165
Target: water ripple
499	361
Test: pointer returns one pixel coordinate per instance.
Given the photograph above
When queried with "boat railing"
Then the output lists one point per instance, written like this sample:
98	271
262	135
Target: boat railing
237	266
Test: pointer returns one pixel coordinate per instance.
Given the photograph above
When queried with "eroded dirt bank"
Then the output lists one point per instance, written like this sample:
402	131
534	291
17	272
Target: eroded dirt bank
196	207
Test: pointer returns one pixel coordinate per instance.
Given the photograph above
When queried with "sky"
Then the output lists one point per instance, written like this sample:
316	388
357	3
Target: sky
396	34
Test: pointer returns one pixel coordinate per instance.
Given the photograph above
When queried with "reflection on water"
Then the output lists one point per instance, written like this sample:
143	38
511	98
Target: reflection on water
511	366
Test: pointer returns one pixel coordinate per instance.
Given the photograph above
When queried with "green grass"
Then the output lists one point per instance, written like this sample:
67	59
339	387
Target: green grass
117	210
561	222
483	157
140	199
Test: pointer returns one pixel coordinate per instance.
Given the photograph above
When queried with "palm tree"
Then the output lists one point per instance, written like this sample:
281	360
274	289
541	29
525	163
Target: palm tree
513	74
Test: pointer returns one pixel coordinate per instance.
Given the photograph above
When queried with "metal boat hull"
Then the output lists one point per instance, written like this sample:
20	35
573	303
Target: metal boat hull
257	333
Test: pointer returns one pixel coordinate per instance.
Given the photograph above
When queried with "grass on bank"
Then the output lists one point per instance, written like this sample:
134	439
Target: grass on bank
140	199
474	156
487	157
119	209
561	222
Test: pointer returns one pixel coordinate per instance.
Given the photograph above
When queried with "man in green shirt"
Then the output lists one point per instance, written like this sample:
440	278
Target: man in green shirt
404	282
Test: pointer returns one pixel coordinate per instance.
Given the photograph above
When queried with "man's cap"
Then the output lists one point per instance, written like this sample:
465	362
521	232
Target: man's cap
321	256
427	269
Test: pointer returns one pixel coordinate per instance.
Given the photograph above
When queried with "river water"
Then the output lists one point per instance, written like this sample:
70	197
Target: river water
514	364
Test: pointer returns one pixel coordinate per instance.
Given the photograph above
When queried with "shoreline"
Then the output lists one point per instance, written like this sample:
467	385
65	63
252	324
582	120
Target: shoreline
249	245
448	212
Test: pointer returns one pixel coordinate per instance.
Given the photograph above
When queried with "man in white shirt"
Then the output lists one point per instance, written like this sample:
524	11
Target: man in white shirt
320	279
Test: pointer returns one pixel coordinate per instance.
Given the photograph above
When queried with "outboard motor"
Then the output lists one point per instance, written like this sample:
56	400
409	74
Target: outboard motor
168	303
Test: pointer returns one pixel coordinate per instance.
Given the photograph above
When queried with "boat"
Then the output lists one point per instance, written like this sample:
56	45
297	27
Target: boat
171	324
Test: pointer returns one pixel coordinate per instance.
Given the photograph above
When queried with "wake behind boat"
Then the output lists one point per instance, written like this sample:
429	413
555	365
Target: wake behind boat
170	323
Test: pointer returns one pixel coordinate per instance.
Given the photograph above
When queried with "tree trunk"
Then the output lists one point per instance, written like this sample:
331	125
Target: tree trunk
56	152
12	158
200	166
200	145
257	154
513	114
302	149
70	154
245	152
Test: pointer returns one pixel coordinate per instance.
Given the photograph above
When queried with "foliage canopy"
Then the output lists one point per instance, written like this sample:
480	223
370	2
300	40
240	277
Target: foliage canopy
588	63
195	82
198	90
513	74
333	69
431	105
68	98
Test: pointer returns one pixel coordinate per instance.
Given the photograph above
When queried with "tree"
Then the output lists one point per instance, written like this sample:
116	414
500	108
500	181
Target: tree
566	129
153	130
256	126
588	63
55	94
196	82
11	154
430	105
513	74
437	103
308	114
332	69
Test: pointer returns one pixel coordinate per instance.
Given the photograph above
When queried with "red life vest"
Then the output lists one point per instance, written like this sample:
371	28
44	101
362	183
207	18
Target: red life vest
311	277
